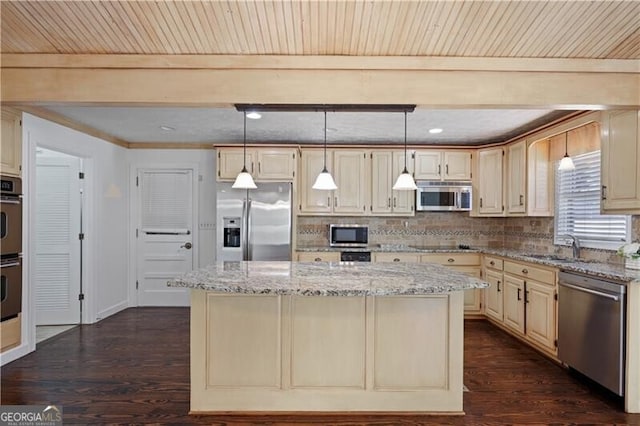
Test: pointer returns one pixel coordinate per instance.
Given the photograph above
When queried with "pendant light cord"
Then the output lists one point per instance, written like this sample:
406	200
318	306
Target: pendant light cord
244	142
325	139
405	140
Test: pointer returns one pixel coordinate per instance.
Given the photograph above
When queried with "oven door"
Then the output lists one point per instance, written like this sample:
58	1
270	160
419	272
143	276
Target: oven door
10	287
10	225
436	199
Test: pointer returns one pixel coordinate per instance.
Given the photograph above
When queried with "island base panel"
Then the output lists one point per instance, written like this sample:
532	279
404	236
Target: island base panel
282	354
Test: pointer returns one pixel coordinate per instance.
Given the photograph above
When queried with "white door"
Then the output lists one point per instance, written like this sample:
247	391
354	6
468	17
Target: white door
165	234
58	207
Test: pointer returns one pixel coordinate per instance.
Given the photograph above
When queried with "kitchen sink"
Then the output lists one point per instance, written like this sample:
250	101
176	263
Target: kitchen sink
552	257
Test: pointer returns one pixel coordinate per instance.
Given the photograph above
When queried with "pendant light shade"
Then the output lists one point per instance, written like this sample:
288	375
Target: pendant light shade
566	163
405	181
244	180
325	181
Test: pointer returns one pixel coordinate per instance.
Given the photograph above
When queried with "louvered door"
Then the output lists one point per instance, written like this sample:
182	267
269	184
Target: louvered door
57	244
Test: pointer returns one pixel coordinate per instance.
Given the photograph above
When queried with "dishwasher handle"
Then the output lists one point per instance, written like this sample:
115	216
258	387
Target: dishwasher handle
587	290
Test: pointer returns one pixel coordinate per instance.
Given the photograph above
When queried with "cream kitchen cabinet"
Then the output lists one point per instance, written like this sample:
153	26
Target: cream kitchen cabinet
11	142
318	256
530	303
493	295
352	178
468	263
350	171
263	163
620	146
442	165
386	166
489	182
540	178
515	180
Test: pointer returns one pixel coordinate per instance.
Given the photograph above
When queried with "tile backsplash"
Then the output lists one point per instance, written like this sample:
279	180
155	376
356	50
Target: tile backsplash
449	229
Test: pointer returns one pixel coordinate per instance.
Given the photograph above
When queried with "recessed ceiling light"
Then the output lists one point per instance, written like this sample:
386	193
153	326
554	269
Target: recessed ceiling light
435	130
167	128
254	115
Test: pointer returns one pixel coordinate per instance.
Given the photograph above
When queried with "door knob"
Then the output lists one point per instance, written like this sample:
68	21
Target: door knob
187	246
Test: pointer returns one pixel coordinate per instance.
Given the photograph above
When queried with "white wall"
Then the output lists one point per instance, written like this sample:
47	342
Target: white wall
206	162
106	215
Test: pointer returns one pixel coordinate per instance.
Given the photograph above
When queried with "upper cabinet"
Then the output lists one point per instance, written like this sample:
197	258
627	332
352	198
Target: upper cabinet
350	170
442	165
11	142
263	163
516	178
489	182
540	181
386	166
620	162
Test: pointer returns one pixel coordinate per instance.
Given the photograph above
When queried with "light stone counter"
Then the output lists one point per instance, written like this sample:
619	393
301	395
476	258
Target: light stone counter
284	337
327	278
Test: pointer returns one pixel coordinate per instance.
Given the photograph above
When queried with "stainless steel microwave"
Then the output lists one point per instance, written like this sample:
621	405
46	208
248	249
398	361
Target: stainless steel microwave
348	235
443	196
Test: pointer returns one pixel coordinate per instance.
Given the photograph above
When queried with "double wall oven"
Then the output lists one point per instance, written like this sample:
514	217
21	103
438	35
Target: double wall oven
11	247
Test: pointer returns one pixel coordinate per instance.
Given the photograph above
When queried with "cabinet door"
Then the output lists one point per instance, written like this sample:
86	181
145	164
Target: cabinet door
313	200
351	178
514	303
540	313
457	165
276	164
473	297
490	182
428	165
402	201
493	295
381	181
540	190
318	256
11	142
515	180
621	162
396	257
231	160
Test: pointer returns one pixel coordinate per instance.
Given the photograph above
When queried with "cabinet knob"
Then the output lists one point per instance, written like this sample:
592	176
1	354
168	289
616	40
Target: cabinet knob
318	259
396	260
525	271
451	260
492	263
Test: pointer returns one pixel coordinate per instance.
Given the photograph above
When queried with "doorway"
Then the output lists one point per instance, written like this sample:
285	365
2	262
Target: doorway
58	242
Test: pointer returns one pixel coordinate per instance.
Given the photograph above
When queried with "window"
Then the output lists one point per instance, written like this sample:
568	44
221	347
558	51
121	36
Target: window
578	207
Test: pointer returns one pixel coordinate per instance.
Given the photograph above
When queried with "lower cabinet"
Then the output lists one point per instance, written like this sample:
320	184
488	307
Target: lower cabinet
523	300
396	257
10	333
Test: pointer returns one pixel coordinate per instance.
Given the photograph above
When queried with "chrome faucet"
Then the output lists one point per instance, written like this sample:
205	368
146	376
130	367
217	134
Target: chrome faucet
575	243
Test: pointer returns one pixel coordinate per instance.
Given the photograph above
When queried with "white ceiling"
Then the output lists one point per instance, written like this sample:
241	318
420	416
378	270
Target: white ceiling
225	125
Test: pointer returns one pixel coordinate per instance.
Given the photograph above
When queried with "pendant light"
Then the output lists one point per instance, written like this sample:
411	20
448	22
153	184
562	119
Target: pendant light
566	163
405	181
244	179
324	181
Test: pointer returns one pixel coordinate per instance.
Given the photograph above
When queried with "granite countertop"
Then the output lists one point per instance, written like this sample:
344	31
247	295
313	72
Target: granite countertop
327	278
595	269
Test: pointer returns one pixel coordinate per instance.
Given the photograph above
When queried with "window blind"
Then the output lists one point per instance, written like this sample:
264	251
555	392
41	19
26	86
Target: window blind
578	207
166	201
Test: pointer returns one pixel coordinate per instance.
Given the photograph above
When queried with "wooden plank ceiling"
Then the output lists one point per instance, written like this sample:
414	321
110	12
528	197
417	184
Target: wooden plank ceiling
523	29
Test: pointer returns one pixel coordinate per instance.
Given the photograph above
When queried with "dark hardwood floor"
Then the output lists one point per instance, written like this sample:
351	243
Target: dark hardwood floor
133	368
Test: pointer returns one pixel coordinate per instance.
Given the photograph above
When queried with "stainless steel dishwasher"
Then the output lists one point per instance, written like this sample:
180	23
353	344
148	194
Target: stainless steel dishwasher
591	328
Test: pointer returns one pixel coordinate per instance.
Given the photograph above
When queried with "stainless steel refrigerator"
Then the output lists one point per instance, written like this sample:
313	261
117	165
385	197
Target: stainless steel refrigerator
254	224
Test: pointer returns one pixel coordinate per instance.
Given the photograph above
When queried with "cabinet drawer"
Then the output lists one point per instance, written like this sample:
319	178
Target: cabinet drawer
492	262
318	256
10	330
396	257
528	271
453	259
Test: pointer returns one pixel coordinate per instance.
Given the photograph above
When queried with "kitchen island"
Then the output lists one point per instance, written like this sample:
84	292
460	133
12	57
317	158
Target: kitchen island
322	336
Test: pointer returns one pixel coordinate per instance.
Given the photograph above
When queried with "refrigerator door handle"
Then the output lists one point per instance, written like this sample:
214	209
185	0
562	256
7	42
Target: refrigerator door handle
249	246
244	230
